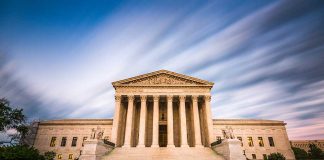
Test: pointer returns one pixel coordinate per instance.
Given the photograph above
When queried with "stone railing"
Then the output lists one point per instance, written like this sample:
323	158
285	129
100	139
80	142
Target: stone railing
109	143
216	142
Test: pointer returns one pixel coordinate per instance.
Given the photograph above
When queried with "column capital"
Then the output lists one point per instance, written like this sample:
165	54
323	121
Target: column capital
156	98
182	97
117	97
194	98
169	97
207	98
143	98
130	97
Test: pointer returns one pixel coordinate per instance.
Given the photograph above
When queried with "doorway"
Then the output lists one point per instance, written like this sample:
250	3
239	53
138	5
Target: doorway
163	137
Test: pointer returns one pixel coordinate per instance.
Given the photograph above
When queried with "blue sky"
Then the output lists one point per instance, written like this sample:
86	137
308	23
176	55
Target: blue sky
266	58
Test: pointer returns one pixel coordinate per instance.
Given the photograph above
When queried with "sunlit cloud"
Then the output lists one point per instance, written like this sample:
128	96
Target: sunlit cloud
266	58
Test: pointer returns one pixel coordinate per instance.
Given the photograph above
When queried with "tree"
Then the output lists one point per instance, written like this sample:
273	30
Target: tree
276	156
314	152
50	155
300	153
12	119
20	152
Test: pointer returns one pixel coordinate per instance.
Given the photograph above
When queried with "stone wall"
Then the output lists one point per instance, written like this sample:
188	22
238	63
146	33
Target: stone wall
304	144
68	128
242	128
255	129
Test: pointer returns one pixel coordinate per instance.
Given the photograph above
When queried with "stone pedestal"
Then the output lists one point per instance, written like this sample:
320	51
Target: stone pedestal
94	149
230	149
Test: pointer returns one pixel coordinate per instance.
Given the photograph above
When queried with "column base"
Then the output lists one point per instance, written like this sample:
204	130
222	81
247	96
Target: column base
199	146
140	146
171	146
155	146
184	146
126	146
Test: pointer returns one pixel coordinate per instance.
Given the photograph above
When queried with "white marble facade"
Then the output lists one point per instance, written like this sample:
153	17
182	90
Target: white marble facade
168	110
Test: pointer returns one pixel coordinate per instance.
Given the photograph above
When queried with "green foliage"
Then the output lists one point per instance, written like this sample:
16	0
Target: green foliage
20	152
300	154
314	152
276	156
10	118
50	155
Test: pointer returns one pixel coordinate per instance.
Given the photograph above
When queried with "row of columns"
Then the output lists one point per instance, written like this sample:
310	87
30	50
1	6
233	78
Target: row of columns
170	136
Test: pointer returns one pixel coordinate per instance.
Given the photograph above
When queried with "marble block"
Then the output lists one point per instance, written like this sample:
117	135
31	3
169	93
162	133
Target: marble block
230	149
94	149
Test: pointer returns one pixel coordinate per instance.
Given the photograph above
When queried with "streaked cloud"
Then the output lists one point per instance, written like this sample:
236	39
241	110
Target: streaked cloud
266	58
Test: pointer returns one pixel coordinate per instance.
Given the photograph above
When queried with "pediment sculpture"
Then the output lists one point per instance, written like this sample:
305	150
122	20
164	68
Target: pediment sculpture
162	79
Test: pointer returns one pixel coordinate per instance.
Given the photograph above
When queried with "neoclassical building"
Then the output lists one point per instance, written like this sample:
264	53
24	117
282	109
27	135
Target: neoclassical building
304	144
164	115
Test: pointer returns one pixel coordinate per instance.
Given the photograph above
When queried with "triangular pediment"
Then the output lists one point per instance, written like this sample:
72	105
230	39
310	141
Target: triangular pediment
162	78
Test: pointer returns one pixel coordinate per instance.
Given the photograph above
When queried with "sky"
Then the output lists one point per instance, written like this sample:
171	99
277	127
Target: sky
266	58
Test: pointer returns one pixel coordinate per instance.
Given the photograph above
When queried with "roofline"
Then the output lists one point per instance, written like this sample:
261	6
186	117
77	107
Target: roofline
313	140
118	83
110	121
248	122
77	122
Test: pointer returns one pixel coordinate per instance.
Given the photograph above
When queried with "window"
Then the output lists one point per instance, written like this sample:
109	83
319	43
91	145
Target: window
63	142
84	139
260	140
253	156
271	142
70	156
240	138
74	141
265	157
59	156
250	141
53	141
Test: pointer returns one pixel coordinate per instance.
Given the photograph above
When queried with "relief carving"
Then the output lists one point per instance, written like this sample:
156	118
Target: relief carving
163	79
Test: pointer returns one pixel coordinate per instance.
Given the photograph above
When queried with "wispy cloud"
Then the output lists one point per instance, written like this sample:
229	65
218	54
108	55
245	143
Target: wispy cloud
266	58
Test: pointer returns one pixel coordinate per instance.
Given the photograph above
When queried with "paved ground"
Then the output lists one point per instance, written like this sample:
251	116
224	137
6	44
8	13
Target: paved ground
163	154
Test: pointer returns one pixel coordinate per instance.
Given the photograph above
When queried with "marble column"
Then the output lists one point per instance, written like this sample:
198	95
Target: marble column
129	121
170	121
196	121
155	140
209	119
183	122
141	141
116	121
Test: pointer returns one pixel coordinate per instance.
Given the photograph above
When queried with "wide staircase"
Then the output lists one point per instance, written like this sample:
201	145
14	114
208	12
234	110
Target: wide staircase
148	153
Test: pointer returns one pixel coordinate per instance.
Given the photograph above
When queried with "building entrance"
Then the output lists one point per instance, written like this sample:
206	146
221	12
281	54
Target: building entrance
163	137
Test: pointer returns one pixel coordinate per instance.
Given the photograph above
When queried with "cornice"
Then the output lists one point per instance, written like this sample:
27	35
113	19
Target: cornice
77	122
248	122
199	82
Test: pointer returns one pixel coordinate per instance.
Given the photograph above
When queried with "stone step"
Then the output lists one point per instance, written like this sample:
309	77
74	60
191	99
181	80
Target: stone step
164	153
